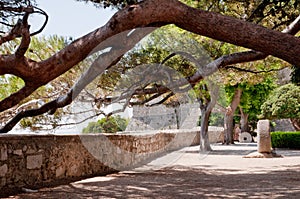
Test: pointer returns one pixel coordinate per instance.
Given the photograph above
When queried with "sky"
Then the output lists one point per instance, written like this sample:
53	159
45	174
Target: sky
70	18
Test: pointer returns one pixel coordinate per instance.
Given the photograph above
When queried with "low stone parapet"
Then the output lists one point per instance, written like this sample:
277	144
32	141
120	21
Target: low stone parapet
32	161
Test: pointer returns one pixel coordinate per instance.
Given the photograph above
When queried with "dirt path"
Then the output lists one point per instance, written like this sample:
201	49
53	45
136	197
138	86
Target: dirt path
222	173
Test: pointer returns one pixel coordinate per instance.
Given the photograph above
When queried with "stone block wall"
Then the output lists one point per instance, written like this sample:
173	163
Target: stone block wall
32	161
161	117
283	125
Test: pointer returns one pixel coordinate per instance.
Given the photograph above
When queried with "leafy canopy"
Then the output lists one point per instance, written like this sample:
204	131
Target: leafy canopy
284	102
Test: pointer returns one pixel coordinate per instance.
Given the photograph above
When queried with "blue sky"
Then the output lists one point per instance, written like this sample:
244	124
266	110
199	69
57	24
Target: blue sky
70	18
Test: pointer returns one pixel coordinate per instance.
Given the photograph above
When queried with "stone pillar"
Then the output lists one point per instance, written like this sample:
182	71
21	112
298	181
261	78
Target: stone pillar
264	137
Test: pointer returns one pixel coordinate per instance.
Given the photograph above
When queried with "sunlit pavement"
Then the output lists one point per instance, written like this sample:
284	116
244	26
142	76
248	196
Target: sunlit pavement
225	157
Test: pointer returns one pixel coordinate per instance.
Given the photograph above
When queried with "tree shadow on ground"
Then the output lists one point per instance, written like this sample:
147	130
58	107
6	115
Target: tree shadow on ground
181	182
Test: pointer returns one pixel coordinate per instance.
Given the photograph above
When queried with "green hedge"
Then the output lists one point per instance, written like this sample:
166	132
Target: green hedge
285	140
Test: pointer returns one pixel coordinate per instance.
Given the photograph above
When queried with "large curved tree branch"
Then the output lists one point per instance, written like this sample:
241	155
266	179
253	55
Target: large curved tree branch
221	62
121	44
110	58
25	34
253	71
158	13
12	34
126	41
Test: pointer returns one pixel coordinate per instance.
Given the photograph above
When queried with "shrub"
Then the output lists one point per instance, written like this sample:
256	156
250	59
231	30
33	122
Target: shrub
285	140
106	125
283	103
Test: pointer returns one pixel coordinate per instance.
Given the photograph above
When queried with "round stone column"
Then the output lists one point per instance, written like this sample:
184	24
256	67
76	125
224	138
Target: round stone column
263	136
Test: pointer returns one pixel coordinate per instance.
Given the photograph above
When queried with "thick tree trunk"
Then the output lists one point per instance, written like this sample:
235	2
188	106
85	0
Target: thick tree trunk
244	121
228	128
204	140
206	107
228	119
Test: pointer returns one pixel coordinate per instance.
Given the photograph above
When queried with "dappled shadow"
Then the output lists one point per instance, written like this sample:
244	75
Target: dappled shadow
182	182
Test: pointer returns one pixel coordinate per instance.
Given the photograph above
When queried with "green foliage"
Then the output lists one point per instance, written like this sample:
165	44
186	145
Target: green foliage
9	84
42	48
229	91
158	45
285	140
202	93
112	124
253	97
216	119
269	13
284	102
153	50
275	14
39	122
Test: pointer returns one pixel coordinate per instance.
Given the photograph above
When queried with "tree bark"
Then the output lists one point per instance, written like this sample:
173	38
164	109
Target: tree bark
228	128
206	106
204	139
228	119
154	13
244	121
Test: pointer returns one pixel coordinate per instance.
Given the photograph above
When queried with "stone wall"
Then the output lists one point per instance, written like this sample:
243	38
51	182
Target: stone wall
32	161
162	117
283	125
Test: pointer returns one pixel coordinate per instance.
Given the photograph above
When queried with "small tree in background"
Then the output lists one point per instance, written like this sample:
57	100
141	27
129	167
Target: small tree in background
254	95
284	103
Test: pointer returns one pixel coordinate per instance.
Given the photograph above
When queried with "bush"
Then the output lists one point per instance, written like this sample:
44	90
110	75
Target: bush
106	125
283	103
285	140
